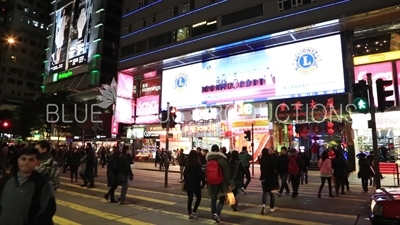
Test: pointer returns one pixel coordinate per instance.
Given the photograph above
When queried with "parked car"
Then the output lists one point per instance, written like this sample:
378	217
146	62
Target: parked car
385	207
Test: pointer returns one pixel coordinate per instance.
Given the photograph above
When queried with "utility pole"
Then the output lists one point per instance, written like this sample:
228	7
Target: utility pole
252	149
166	161
372	125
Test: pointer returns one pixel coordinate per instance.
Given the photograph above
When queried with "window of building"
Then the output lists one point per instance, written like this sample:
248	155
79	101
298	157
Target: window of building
12	92
130	28
170	12
26	10
127	9
35	23
284	5
30	84
185	7
125	30
154	17
241	15
14	70
13	59
33	43
144	22
19	82
297	3
182	34
23	50
10	80
141	3
204	27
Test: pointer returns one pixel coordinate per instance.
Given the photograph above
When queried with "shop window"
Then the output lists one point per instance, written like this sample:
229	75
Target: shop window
242	15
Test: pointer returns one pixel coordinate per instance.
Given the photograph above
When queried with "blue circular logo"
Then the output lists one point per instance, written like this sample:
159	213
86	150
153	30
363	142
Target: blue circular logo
181	81
306	61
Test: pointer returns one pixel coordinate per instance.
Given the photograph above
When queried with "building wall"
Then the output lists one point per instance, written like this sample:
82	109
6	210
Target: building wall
281	13
21	62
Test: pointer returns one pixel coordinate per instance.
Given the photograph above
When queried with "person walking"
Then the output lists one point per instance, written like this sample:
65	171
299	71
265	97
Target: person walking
194	182
182	162
74	160
325	168
340	172
124	174
282	167
236	174
90	163
48	167
268	178
245	158
295	168
218	179
112	176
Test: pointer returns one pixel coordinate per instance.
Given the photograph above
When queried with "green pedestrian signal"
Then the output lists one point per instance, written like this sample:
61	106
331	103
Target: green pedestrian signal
360	97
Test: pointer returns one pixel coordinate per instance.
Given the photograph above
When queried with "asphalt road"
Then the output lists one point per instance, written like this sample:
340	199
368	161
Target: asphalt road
152	203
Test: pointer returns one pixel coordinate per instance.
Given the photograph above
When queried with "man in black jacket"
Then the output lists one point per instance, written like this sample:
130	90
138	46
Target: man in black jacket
90	164
26	197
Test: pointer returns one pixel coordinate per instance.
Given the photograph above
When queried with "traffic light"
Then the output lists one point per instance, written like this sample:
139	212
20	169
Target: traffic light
382	94
360	96
5	124
164	118
172	117
247	135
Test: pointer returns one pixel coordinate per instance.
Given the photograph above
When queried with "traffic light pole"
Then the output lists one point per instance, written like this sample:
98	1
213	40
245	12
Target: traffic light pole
252	149
372	125
166	161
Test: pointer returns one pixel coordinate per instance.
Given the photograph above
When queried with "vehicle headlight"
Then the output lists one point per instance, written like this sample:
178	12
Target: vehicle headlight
376	209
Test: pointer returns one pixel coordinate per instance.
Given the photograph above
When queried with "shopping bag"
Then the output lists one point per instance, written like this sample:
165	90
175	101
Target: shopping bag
230	199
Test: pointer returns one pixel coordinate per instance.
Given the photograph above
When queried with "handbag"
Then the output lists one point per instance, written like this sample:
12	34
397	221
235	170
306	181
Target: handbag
230	199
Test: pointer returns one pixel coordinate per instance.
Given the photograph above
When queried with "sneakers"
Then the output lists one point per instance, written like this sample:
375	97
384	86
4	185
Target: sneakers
262	210
243	190
192	216
216	218
272	210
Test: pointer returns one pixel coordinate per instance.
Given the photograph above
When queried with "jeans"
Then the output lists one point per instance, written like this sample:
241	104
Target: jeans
284	184
190	195
323	179
247	175
304	177
271	201
181	169
295	180
314	157
124	190
73	172
216	208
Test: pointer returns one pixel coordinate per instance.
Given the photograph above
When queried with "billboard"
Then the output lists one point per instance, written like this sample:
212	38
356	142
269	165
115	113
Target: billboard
79	38
59	50
147	104
124	102
308	68
378	71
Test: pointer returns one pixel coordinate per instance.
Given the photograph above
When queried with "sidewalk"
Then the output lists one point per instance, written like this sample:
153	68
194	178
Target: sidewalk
313	175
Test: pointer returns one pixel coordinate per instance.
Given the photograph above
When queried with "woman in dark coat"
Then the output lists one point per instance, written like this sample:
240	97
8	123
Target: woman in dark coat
365	172
112	176
269	178
194	181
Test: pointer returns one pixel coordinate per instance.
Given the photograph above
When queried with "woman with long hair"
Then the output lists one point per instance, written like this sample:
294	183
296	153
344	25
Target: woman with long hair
325	168
194	181
269	178
112	176
236	175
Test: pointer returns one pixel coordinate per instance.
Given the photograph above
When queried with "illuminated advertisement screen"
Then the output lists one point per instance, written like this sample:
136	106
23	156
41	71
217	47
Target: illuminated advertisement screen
308	68
79	39
378	70
147	105
398	73
59	49
124	104
150	87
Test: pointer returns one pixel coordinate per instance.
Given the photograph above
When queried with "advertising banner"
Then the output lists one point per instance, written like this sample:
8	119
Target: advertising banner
148	105
378	70
310	109
60	37
150	87
398	73
306	68
79	39
124	103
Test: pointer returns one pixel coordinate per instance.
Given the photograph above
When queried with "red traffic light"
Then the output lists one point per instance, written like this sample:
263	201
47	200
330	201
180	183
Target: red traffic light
5	124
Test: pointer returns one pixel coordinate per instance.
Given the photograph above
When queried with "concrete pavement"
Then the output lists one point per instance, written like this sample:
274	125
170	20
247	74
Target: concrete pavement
152	203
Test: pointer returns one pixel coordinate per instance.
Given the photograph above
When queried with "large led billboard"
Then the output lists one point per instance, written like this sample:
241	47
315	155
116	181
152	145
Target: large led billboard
71	36
307	68
124	103
147	104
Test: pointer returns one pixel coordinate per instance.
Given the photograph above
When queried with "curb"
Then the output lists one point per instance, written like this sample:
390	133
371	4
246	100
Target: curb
157	170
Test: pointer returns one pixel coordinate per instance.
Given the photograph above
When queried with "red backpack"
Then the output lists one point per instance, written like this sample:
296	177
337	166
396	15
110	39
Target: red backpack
214	174
293	168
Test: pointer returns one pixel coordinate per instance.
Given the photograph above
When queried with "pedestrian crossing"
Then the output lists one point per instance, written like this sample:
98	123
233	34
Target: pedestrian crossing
154	204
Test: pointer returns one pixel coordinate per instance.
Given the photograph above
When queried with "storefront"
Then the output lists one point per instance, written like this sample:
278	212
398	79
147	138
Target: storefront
301	122
388	131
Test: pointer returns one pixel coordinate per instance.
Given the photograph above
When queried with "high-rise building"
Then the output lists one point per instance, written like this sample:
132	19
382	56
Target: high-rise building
24	28
83	42
153	31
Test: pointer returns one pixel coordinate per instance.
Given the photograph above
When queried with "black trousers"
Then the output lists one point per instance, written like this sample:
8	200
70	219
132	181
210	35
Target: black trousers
89	176
247	176
295	180
190	195
74	172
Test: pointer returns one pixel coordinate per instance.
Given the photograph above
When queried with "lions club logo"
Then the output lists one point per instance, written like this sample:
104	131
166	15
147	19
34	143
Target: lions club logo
181	81
306	61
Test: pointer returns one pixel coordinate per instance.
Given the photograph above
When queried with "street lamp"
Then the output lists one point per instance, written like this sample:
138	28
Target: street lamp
10	40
